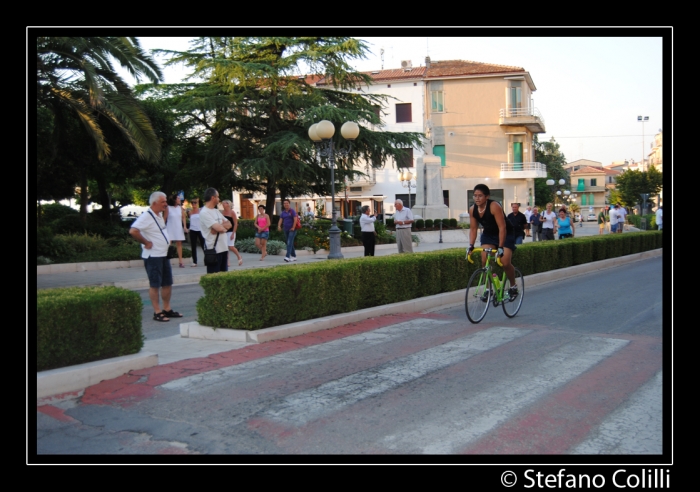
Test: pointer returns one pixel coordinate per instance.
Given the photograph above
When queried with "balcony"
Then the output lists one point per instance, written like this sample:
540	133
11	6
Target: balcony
588	189
527	117
523	170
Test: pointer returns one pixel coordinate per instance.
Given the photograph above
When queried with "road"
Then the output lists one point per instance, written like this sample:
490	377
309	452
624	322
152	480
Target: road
577	371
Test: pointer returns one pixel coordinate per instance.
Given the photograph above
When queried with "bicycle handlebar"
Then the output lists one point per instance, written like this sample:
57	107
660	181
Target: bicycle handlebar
487	251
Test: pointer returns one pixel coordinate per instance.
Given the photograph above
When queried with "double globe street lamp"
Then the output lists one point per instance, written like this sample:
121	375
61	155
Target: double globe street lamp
405	178
321	134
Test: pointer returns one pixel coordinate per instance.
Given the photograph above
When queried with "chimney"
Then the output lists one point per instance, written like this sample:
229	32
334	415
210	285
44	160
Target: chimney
427	62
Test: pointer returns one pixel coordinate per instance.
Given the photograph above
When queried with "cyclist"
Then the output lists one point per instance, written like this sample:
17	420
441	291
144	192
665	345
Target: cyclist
497	231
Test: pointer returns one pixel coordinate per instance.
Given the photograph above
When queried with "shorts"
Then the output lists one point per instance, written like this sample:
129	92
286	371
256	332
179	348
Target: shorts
262	235
159	271
231	238
613	227
564	236
509	242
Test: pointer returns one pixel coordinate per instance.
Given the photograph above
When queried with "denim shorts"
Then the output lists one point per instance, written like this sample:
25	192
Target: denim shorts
159	271
263	235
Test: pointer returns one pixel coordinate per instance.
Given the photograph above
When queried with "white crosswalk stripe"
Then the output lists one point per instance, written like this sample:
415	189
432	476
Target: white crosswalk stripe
261	368
303	407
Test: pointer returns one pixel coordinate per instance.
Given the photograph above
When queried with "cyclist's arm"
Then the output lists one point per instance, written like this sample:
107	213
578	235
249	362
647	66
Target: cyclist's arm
497	212
473	226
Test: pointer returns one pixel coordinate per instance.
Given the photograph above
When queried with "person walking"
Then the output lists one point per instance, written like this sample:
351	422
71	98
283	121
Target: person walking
564	225
528	214
622	218
230	214
548	217
214	226
175	221
614	218
660	217
601	221
150	230
195	229
403	218
519	222
262	226
286	223
368	233
535	224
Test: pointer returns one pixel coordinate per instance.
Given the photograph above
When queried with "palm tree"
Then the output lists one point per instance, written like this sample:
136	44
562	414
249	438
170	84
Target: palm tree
76	75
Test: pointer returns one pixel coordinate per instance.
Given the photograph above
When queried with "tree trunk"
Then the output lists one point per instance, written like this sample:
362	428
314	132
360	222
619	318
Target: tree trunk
271	191
83	196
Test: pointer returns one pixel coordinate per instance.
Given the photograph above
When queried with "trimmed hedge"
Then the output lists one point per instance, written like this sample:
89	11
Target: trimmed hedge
307	291
83	324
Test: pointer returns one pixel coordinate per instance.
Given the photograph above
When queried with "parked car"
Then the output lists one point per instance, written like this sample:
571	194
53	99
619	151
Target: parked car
592	217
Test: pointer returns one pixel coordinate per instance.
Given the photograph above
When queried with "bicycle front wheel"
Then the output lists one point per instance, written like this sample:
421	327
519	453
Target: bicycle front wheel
512	306
478	296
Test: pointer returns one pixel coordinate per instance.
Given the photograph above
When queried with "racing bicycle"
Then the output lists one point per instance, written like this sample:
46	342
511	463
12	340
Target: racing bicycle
485	287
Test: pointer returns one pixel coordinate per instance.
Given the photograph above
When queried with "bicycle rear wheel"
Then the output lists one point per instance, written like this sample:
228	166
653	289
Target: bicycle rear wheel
512	306
478	295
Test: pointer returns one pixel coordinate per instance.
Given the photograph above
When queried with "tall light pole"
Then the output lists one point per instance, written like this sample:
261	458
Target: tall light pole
643	119
405	178
321	134
551	183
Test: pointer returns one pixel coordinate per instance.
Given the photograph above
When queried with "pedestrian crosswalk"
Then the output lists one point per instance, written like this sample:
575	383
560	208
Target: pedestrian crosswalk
444	387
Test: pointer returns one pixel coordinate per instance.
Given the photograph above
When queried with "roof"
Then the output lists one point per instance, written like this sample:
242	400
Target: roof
589	170
447	68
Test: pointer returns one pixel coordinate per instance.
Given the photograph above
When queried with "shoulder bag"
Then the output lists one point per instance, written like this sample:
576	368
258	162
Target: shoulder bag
210	255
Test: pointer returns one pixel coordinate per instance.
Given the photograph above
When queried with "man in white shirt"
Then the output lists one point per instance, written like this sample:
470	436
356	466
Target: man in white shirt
660	217
528	214
614	218
213	222
621	217
149	230
403	218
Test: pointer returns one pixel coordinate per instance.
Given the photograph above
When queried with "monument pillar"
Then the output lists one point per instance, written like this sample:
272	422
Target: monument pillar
430	203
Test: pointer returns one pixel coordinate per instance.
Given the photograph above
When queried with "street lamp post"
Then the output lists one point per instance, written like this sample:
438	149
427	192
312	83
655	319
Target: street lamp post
321	134
643	119
405	178
551	183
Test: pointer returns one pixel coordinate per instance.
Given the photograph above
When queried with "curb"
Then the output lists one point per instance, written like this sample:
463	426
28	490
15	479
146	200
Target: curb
80	376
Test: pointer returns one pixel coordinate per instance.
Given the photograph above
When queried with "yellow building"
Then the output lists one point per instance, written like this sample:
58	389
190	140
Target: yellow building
482	122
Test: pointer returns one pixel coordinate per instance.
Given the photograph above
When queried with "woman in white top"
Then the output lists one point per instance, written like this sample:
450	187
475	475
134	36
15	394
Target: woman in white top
195	229
368	232
547	218
230	213
176	224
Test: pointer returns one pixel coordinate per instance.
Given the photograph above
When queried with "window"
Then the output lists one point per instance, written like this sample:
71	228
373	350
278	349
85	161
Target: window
593	182
406	160
436	101
581	184
403	113
590	199
439	150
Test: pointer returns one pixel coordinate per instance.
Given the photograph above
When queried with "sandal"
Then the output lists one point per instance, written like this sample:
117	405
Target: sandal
172	314
182	265
240	262
162	317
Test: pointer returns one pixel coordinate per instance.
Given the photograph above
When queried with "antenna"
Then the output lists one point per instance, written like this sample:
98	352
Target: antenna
381	53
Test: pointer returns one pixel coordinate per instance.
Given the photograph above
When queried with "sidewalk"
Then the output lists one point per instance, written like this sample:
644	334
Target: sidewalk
175	348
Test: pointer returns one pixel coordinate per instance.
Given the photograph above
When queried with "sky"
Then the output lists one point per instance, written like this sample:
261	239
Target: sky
590	90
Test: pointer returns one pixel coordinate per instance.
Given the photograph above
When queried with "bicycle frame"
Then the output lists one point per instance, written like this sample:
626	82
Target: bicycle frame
498	283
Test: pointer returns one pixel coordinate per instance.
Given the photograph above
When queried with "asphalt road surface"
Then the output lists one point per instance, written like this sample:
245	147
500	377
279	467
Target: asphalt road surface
577	372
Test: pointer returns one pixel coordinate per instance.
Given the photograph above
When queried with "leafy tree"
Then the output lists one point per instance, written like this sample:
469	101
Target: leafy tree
549	154
252	112
80	99
632	183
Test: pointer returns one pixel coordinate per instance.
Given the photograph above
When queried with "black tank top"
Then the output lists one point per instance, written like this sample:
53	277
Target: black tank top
488	221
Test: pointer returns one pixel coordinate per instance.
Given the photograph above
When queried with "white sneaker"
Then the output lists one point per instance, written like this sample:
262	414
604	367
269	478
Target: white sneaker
294	258
287	259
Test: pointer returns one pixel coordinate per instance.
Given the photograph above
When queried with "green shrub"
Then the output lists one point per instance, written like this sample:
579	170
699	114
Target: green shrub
428	223
390	222
248	246
244	232
83	324
380	229
453	222
80	243
54	211
420	224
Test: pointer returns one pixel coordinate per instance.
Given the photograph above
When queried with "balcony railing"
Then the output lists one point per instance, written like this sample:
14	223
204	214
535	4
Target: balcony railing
520	170
530	117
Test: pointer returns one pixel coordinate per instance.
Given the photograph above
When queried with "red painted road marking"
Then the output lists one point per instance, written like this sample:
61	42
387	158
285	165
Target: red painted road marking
55	412
138	385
